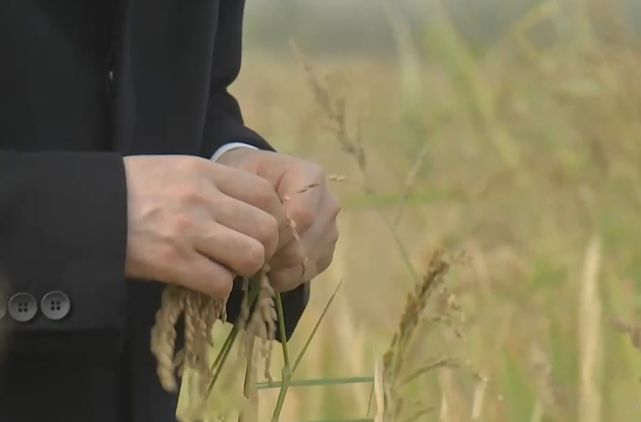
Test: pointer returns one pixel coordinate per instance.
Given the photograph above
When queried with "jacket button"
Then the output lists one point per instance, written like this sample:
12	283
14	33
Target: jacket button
55	305
22	307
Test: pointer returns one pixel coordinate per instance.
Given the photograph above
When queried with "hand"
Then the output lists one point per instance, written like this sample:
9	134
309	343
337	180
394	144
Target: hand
302	187
197	223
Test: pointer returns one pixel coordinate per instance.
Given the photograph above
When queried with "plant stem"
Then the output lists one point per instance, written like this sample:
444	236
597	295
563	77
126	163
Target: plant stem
218	364
299	358
230	339
281	328
371	399
222	357
315	382
250	412
286	374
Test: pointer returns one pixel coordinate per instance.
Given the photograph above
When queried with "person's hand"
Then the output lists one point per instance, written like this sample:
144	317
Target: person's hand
302	186
197	223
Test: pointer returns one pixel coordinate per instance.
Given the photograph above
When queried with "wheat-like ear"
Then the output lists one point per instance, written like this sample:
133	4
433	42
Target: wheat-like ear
200	314
163	335
390	373
191	328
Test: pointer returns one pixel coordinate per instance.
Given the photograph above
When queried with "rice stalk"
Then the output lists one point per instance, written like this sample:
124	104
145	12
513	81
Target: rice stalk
350	141
379	391
391	375
250	411
480	391
286	372
445	384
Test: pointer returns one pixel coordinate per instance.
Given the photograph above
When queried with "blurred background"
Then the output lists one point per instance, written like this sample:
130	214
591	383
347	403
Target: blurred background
508	134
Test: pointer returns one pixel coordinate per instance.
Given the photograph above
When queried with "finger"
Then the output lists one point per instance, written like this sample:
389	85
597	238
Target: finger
301	209
325	260
206	276
303	191
323	233
250	221
242	254
321	254
251	189
287	273
298	249
286	279
290	256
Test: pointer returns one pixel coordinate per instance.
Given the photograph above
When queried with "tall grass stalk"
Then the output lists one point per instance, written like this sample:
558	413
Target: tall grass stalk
480	391
590	336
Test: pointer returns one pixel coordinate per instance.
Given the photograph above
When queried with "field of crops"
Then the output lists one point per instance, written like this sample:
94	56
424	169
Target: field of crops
522	162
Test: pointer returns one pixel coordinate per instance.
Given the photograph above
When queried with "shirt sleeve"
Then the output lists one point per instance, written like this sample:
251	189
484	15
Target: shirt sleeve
228	147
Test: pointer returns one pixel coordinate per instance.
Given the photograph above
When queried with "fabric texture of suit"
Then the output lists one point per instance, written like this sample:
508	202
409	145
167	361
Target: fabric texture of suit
83	84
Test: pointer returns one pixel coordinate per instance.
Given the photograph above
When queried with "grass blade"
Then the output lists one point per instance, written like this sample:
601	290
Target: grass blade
287	368
281	328
314	382
222	357
229	342
318	322
371	399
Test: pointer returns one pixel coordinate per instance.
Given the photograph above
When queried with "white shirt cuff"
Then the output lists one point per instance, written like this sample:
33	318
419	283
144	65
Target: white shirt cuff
228	147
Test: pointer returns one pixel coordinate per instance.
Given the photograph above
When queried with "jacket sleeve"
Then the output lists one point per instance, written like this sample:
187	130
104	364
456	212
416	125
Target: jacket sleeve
63	228
225	124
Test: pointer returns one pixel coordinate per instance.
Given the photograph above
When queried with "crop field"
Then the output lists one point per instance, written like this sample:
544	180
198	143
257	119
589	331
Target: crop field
520	160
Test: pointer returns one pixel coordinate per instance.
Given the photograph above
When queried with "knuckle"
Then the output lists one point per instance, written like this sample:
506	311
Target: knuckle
223	284
268	234
280	282
192	164
263	194
303	216
252	260
293	258
189	194
226	278
225	206
180	224
169	264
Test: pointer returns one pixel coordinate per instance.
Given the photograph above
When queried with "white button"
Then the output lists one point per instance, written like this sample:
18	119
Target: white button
55	305
22	307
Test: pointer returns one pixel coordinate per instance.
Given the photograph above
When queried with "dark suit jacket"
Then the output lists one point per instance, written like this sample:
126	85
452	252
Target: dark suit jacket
83	83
